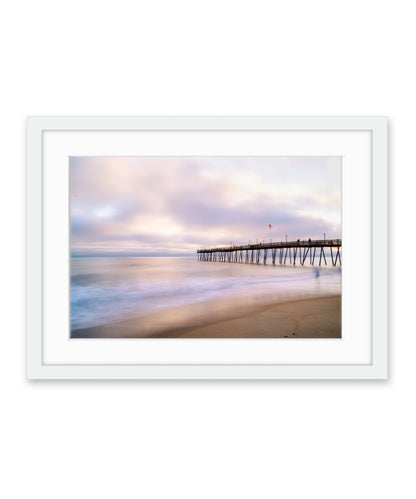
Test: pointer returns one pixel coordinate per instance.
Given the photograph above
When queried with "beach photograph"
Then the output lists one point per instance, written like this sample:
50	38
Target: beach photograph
205	246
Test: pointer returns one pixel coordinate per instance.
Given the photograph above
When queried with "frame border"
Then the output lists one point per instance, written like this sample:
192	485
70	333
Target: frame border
36	125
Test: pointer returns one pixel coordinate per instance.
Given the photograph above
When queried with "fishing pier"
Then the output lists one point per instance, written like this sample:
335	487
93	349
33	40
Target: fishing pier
283	253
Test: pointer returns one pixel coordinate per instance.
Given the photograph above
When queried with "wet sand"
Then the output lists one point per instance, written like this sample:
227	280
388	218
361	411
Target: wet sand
318	317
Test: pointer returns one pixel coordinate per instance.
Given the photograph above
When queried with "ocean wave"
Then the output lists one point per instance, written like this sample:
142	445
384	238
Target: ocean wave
130	289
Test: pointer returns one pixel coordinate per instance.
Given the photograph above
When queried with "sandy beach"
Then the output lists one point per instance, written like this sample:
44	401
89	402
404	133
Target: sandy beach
318	317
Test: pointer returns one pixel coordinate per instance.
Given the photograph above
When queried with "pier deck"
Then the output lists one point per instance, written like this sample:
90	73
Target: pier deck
282	252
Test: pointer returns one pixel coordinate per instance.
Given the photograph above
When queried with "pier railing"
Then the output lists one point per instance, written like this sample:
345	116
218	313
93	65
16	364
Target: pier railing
282	252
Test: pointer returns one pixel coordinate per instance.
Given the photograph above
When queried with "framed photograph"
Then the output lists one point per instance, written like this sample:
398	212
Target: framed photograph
207	248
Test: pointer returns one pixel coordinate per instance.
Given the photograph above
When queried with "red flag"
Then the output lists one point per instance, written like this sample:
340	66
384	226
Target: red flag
270	226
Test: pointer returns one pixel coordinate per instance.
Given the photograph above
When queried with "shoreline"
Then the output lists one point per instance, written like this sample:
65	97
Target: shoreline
304	317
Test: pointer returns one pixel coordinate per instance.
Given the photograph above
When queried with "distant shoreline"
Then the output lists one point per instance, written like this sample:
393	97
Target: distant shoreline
313	317
116	255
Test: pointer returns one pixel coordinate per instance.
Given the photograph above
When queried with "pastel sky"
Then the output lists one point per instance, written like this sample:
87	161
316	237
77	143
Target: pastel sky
171	206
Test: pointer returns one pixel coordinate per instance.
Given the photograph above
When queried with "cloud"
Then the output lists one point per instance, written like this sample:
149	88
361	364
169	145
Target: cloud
173	205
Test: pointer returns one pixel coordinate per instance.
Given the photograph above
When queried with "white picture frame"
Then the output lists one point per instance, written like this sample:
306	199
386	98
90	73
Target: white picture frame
40	179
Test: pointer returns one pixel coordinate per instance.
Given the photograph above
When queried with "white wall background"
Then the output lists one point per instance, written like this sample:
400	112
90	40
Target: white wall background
185	440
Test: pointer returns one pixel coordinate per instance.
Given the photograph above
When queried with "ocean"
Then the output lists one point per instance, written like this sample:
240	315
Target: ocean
105	290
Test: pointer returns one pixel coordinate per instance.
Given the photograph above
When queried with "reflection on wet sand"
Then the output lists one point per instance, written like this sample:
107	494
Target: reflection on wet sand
245	317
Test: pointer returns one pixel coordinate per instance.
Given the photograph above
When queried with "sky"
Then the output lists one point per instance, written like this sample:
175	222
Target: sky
172	206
